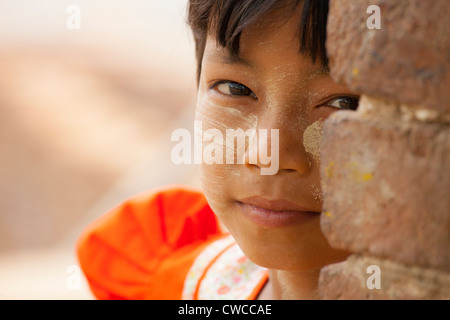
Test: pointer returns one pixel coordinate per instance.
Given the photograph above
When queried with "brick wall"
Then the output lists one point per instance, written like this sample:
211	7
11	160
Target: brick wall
386	167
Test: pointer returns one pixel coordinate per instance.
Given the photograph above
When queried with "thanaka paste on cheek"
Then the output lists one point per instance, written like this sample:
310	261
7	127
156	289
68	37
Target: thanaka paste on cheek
312	139
219	128
317	193
218	179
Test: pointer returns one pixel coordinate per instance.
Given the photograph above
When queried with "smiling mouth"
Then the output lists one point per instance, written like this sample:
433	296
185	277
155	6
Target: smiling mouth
275	213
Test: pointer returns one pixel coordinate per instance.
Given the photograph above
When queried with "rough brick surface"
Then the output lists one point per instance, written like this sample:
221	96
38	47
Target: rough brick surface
386	186
348	281
407	60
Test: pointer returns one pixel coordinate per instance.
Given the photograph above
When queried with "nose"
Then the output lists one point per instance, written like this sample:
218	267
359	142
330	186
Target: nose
278	147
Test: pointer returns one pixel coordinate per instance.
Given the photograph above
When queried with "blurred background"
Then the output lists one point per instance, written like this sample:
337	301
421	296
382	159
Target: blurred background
90	92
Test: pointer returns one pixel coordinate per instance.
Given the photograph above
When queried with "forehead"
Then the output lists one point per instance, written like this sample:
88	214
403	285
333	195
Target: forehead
272	43
279	30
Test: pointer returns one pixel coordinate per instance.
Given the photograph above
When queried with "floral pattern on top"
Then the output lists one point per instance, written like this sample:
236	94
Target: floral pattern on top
222	271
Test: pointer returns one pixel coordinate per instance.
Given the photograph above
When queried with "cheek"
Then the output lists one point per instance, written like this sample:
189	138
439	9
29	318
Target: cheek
312	139
217	116
313	133
215	186
217	180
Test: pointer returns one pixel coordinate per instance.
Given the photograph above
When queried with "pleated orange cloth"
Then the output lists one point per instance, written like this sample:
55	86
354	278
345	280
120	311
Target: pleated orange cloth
145	248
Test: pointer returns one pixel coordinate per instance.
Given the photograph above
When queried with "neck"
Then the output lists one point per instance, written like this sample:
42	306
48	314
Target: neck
294	285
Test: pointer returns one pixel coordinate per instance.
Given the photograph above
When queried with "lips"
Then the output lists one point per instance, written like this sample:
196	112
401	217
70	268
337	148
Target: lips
275	213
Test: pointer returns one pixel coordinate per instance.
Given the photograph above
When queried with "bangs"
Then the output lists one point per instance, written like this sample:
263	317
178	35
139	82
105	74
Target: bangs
226	20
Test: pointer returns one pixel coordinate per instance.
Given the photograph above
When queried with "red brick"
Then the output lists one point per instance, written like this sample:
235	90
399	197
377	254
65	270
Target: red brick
407	60
348	281
386	186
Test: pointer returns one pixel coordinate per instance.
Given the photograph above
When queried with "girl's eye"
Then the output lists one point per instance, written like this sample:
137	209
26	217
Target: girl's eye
232	88
347	103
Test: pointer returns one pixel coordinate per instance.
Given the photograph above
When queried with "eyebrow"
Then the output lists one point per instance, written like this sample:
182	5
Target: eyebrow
235	59
228	58
224	57
319	73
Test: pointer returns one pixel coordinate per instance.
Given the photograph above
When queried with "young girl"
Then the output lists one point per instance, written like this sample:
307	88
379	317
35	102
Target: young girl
262	64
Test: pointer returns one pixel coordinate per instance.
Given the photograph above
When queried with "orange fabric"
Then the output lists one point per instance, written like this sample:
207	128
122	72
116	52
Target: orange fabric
144	248
255	293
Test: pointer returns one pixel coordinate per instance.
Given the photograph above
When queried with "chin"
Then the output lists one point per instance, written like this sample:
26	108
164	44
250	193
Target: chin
299	262
294	248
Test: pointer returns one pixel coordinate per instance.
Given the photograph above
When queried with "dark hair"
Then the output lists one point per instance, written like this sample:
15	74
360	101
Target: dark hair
226	19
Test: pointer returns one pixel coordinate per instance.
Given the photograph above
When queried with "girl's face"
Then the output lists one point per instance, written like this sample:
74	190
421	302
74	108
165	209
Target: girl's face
275	219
